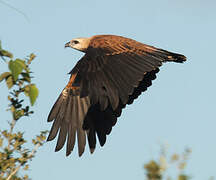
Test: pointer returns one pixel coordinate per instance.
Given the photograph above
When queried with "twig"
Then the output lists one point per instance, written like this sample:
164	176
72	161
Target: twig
11	130
14	172
31	154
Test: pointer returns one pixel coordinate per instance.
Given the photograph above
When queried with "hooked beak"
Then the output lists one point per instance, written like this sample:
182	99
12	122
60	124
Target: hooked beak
67	44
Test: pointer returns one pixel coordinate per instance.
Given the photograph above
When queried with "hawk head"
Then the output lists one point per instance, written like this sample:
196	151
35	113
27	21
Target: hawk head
80	44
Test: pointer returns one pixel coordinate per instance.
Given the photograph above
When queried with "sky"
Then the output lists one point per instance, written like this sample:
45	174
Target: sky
178	109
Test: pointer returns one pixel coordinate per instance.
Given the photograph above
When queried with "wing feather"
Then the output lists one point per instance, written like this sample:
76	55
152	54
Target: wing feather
62	136
118	82
61	103
55	109
92	139
80	132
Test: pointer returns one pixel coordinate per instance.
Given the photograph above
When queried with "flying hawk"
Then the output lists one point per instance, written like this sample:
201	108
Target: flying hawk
113	72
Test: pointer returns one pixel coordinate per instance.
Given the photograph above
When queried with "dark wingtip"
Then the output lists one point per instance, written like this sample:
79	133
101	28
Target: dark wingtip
50	138
81	153
179	58
57	149
92	150
68	152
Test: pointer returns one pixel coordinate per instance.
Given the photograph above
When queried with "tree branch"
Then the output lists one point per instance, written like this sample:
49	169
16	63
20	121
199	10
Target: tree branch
31	154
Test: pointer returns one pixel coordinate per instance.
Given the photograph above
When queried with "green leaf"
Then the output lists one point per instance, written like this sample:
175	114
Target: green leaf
4	75
5	53
22	63
16	68
9	82
33	93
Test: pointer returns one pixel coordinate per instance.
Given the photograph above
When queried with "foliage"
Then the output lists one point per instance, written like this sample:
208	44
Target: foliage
156	170
13	152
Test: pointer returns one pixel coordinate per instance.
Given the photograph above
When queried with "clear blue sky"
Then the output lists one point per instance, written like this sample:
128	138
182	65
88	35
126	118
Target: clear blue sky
179	109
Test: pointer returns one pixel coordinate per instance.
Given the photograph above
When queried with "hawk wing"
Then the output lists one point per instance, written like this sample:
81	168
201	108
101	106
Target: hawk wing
113	72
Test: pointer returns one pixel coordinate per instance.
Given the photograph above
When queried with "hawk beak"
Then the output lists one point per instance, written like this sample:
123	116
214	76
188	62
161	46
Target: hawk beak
67	44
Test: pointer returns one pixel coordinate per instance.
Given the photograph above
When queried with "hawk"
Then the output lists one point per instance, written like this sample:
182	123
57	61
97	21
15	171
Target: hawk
113	72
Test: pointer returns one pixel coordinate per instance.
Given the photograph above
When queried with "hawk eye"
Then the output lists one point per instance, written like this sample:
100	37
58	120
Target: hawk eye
75	42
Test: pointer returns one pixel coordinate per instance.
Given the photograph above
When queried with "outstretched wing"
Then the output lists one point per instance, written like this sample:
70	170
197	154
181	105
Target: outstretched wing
113	72
114	66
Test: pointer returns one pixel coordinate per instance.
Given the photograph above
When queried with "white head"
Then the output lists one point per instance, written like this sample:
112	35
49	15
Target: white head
80	44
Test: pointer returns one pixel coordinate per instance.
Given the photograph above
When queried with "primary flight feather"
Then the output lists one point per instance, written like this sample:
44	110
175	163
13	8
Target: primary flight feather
113	72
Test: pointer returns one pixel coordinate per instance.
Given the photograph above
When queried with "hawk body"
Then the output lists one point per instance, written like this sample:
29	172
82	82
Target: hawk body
113	72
